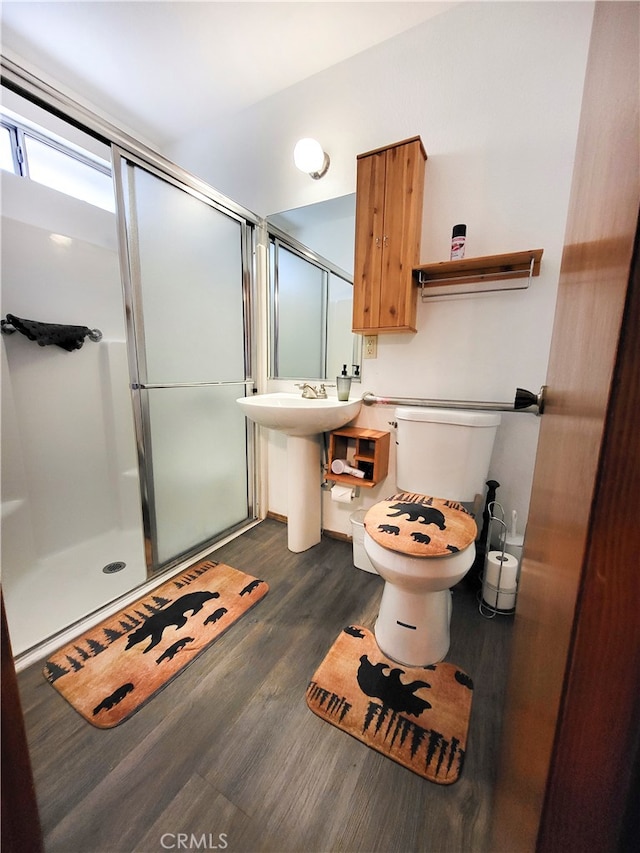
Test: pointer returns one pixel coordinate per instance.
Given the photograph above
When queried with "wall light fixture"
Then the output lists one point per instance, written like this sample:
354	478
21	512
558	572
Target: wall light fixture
310	158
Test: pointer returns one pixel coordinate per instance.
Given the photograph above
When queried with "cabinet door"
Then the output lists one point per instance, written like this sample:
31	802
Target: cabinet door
368	242
401	238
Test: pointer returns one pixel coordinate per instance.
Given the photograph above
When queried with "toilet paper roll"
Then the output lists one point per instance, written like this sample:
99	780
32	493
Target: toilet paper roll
499	600
501	571
500	581
342	494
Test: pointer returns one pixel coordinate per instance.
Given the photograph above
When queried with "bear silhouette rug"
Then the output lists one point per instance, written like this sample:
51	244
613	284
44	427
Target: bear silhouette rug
109	672
417	716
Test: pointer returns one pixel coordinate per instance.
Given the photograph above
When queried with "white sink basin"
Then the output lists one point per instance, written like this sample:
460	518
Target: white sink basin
293	414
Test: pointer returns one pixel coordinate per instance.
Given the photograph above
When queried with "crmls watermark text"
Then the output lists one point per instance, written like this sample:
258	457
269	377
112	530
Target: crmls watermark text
184	841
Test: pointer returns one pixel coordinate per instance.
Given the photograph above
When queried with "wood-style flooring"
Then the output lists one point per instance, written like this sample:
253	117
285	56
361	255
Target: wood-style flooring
228	755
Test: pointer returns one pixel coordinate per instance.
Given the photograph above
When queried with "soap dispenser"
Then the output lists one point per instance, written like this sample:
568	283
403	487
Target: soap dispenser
344	384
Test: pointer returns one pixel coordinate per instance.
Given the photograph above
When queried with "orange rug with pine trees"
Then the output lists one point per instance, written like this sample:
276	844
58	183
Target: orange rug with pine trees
417	716
113	669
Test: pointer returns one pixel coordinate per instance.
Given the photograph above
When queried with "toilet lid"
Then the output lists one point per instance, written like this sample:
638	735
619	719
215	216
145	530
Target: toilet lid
420	525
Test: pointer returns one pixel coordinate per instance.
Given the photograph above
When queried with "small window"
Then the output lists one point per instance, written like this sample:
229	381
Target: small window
28	150
61	171
6	150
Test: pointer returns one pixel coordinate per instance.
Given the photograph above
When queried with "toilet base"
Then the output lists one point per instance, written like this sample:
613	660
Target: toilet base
413	628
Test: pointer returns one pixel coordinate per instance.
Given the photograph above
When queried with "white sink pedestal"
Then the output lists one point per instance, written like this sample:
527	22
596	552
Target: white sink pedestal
302	420
304	495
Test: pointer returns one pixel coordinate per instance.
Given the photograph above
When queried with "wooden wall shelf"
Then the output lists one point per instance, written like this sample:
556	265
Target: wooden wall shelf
510	271
367	449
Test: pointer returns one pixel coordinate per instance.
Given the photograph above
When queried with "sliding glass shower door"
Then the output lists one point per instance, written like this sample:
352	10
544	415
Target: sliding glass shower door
186	270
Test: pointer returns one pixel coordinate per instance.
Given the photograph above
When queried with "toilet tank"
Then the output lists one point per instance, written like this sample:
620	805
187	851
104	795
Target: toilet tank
444	453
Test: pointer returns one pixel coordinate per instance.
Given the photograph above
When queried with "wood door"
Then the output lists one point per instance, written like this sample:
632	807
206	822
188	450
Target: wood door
21	831
571	729
401	238
370	189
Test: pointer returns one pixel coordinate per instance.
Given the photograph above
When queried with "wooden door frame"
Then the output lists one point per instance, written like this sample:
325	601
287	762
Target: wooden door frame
570	737
21	832
590	784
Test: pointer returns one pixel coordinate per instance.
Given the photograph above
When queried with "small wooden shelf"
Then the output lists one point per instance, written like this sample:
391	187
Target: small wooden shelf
472	275
366	449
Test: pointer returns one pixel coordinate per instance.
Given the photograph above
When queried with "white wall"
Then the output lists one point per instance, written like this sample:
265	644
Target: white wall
494	90
61	400
70	487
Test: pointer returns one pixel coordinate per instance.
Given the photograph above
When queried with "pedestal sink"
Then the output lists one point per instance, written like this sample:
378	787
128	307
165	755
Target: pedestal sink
303	421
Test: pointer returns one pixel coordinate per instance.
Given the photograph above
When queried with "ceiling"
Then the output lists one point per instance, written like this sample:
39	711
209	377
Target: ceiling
167	67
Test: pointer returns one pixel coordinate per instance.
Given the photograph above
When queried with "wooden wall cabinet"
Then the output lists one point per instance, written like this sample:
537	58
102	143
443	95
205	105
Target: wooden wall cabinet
389	195
366	449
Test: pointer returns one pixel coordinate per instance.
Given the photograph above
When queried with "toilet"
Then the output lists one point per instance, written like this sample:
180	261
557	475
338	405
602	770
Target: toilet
421	540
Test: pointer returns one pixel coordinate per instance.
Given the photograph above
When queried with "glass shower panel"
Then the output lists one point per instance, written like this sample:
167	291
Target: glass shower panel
187	274
301	316
190	261
201	486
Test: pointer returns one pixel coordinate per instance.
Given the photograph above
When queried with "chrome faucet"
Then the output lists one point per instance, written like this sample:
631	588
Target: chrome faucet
309	392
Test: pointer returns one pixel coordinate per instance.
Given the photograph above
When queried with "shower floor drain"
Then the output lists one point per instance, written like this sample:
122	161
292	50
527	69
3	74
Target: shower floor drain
112	568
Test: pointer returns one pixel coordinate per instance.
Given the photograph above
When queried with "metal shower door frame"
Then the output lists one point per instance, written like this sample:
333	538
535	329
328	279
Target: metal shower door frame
122	160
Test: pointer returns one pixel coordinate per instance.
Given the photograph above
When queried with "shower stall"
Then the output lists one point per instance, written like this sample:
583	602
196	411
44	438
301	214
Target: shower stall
128	457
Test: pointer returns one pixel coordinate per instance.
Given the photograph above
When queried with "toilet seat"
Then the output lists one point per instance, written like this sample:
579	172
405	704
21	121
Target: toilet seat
420	525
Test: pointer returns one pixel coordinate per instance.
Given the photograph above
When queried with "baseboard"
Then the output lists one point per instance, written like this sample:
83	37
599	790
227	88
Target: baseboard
277	517
332	534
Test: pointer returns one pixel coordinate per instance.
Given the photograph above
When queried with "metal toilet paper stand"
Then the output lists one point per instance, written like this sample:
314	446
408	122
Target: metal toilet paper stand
494	591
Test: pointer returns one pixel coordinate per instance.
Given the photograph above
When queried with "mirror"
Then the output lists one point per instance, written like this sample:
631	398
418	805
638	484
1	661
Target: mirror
311	291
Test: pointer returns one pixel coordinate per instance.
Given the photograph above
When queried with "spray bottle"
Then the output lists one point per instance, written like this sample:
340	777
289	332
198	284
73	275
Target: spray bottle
458	239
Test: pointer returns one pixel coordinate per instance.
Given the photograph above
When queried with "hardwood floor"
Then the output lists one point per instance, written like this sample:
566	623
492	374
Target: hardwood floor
230	754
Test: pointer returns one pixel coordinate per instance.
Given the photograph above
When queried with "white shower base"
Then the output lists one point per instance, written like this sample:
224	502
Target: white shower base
65	587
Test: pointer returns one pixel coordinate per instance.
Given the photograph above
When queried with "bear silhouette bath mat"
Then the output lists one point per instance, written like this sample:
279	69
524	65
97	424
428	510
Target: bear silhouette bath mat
417	716
113	669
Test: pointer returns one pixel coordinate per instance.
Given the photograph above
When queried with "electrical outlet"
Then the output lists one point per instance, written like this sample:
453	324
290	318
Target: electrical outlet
370	346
